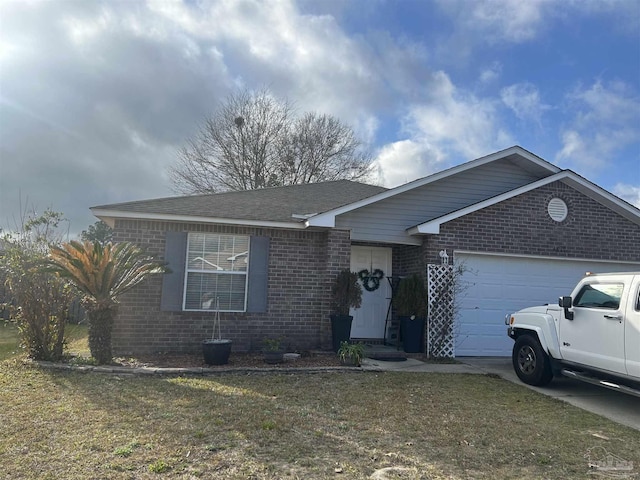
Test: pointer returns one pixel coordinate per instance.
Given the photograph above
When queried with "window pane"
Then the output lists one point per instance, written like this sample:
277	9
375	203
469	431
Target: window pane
600	296
204	288
210	259
217	253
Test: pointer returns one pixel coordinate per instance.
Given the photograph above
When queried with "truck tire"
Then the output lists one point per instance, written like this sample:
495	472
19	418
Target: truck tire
531	362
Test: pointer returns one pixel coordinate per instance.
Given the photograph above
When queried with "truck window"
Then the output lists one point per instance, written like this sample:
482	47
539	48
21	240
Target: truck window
638	302
599	295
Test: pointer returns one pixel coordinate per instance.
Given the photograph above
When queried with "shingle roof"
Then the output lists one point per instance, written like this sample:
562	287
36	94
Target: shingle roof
276	204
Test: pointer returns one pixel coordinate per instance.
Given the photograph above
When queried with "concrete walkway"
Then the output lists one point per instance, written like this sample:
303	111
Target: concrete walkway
413	365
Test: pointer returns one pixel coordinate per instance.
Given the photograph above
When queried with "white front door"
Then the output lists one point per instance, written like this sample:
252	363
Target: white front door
369	319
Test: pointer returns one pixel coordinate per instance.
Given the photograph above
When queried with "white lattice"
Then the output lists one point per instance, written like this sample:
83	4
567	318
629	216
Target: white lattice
440	318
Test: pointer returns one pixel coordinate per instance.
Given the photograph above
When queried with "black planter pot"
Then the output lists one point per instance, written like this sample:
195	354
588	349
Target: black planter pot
412	334
340	330
273	356
216	352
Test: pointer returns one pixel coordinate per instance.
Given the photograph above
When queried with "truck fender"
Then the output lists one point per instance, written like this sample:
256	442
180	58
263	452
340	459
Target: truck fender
544	327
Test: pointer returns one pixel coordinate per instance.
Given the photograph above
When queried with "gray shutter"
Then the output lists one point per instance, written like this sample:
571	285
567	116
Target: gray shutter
175	252
258	275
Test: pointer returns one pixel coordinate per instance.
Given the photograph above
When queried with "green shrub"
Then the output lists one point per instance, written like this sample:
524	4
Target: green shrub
37	301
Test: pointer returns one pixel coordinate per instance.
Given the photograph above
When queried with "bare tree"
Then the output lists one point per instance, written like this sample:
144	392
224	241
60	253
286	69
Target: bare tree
322	148
255	140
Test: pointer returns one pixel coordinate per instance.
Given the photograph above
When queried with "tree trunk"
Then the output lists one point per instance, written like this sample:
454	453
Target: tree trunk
100	327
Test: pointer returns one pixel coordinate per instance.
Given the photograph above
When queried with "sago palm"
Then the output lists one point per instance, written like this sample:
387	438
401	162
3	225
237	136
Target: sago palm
101	273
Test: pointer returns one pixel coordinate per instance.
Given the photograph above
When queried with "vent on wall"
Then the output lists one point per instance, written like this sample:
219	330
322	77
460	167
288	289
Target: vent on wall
557	209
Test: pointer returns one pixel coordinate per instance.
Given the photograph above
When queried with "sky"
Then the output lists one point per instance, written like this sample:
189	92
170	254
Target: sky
96	98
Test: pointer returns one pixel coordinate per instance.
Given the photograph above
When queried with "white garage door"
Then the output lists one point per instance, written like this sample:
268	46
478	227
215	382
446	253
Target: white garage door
495	285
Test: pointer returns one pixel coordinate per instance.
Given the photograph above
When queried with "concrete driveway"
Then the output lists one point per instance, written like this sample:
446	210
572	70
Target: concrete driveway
616	406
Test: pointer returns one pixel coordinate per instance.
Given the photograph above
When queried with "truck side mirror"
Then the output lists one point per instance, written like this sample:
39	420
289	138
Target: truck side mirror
566	303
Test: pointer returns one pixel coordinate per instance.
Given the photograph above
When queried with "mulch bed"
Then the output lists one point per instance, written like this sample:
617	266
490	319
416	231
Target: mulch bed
236	360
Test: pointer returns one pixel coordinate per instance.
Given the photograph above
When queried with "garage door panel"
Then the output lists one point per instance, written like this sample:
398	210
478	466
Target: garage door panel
494	286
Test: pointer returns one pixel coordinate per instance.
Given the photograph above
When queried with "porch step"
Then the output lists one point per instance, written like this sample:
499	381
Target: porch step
383	351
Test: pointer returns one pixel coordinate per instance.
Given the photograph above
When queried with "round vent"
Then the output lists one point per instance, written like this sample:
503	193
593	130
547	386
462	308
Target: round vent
557	209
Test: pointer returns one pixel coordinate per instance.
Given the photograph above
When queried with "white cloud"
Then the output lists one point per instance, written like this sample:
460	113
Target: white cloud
630	193
450	126
494	22
524	100
456	122
491	73
499	20
606	120
403	161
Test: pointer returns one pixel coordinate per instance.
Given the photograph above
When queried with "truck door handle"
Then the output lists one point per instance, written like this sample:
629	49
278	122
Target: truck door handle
613	317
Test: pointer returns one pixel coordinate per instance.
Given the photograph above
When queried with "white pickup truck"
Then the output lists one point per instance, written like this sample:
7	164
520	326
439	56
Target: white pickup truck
593	335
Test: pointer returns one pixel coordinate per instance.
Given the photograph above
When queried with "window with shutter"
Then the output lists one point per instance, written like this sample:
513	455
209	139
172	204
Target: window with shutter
216	271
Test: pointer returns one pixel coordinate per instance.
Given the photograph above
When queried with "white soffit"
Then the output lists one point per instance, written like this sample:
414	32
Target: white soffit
109	217
567	176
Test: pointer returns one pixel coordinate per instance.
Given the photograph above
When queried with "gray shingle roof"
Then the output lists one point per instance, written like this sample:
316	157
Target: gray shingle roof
276	204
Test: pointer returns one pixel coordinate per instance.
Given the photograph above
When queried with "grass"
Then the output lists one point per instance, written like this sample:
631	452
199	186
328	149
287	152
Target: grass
342	425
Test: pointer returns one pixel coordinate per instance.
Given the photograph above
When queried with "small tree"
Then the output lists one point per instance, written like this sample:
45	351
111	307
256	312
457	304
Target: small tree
37	301
346	292
102	273
98	232
411	297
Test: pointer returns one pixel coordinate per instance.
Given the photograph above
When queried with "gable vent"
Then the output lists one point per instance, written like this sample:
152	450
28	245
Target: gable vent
557	209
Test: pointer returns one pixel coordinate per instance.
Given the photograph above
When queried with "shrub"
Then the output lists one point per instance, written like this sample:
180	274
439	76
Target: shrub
37	301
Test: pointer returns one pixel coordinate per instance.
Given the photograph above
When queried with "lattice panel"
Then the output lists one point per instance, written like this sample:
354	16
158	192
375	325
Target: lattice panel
440	318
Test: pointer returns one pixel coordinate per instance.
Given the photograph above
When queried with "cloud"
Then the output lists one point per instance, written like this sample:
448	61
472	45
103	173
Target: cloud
491	73
456	122
405	160
606	120
450	126
97	97
630	193
496	22
513	21
524	100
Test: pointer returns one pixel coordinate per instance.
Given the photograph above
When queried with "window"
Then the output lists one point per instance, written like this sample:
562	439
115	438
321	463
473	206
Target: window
216	269
600	295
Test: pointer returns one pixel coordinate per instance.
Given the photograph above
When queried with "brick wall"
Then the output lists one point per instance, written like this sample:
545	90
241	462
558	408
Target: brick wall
522	226
301	266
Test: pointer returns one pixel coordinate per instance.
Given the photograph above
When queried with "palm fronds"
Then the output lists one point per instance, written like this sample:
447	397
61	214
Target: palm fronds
102	272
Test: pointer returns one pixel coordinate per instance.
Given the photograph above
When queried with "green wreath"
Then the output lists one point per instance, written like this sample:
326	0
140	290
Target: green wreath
371	281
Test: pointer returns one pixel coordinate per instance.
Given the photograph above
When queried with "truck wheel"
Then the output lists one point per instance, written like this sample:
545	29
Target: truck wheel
531	362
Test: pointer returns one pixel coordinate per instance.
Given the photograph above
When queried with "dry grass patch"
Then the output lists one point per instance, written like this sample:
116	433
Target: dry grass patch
70	425
340	425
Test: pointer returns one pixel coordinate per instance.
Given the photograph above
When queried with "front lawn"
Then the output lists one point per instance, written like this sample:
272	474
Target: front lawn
69	425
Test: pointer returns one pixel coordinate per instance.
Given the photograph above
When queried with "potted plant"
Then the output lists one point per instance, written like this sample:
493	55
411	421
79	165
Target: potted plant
411	306
216	350
346	293
351	353
272	350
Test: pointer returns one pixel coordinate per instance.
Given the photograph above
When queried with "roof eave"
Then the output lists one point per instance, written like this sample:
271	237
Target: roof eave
109	217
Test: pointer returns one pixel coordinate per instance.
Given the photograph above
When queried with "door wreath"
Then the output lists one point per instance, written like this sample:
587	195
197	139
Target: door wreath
371	281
